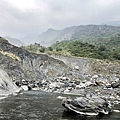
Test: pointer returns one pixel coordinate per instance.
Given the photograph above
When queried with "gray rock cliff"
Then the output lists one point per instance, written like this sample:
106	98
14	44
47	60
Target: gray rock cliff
7	87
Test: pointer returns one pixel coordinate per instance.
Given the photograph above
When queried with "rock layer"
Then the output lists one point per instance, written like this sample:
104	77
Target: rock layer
7	87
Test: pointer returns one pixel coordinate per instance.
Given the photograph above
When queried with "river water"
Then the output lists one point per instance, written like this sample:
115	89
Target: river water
38	105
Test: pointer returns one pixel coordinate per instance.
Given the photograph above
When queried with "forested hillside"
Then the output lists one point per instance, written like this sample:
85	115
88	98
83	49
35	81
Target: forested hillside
92	41
81	49
94	34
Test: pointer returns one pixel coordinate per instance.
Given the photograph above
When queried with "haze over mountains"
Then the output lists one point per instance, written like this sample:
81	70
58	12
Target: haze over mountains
86	33
29	39
82	32
15	41
22	41
113	23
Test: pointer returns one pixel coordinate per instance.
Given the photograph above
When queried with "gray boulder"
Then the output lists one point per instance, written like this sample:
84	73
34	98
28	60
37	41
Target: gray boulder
115	84
88	105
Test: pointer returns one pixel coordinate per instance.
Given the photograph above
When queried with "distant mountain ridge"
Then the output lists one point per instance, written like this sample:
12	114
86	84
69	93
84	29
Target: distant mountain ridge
29	39
89	33
14	41
113	23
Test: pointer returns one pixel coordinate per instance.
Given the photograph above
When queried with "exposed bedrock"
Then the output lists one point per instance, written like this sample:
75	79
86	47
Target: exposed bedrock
7	87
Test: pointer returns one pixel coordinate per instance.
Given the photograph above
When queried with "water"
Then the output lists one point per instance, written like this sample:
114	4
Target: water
37	105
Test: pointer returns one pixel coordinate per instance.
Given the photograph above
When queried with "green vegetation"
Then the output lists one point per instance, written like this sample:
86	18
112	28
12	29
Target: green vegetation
109	49
101	48
93	34
36	48
79	49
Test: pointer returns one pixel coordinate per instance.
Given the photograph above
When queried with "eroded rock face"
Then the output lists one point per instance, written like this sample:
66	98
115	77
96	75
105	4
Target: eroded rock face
30	66
6	85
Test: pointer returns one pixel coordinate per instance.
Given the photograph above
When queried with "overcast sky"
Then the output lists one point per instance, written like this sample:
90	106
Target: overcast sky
19	18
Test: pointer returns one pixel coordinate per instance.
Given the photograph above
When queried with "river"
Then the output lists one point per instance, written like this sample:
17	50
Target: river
38	105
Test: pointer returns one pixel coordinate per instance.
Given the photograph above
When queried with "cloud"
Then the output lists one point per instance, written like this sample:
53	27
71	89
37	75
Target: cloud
19	19
22	17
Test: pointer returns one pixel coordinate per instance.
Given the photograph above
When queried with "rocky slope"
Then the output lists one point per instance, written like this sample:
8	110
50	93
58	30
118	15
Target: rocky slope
81	77
20	64
91	66
60	74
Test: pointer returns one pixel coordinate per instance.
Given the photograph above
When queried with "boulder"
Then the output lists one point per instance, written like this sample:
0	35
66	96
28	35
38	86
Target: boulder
24	87
87	105
54	85
115	84
76	67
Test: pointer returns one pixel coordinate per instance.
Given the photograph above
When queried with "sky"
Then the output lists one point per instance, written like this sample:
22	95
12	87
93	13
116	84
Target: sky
19	18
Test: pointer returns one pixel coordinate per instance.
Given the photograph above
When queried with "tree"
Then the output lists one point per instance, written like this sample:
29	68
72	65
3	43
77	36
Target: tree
58	49
42	49
102	48
50	48
116	54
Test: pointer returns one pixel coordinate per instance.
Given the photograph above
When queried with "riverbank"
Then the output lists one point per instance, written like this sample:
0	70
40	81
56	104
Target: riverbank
59	74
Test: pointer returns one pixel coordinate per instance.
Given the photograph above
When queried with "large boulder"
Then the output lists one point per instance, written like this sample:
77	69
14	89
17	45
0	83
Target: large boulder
116	84
88	105
7	87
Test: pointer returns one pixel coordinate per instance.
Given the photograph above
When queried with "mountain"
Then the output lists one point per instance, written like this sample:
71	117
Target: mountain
113	23
14	41
89	33
47	37
51	36
30	39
